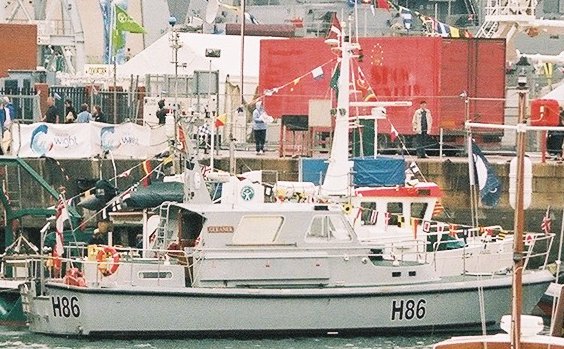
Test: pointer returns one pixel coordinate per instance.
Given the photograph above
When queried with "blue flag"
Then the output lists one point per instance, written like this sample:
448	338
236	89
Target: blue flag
488	181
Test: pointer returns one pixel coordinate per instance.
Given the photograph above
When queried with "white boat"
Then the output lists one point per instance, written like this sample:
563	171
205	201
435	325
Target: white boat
293	269
531	337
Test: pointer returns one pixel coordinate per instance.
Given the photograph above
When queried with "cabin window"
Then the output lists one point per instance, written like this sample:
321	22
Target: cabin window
155	275
257	230
394	214
418	209
369	214
328	228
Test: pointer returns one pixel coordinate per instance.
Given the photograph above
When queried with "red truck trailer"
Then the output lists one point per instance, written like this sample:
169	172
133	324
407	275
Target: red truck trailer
437	70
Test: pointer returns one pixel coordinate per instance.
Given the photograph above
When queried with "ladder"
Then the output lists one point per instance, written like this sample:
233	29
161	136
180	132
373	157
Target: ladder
163	236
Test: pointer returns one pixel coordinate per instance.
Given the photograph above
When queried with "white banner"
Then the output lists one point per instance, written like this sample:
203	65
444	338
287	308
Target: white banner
86	140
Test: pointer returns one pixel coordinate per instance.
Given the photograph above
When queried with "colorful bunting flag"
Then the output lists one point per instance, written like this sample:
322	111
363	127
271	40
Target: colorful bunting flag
393	133
317	73
415	225
147	169
373	217
414	168
438	209
452	230
220	120
125	174
381	4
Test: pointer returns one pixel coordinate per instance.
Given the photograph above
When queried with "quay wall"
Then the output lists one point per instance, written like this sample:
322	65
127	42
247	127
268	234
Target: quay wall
452	176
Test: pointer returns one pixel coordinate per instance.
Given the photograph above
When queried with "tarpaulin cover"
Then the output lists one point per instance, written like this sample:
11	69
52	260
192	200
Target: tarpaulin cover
379	172
367	172
155	194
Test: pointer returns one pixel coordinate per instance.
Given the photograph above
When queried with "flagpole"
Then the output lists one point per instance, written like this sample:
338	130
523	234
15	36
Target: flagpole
113	55
471	166
242	89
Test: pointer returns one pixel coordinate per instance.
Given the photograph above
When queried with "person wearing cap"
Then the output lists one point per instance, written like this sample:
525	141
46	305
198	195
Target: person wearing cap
422	122
259	127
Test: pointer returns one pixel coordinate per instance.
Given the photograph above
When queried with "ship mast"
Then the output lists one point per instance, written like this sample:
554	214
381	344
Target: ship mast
516	306
337	181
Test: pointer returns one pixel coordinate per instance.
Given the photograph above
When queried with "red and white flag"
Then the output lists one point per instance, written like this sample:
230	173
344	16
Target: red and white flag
393	133
61	215
373	216
335	31
546	222
125	174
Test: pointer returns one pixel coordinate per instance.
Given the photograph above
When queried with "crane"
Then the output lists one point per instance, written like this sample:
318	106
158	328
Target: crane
505	18
59	30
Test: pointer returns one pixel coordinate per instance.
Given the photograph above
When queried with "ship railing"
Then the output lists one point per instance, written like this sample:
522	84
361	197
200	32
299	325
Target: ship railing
85	265
44	268
537	247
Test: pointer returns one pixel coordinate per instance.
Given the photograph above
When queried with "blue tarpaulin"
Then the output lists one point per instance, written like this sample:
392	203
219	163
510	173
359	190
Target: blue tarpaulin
367	172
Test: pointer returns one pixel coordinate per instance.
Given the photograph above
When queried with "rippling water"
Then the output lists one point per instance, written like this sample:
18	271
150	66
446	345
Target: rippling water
19	338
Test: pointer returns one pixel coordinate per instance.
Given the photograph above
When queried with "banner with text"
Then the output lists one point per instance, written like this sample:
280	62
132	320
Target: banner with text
75	141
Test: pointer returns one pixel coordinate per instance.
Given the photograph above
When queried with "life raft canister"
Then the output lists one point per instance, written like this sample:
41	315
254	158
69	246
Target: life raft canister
106	267
74	277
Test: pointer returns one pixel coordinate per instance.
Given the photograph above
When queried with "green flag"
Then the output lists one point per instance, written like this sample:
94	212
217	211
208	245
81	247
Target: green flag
124	22
334	82
118	41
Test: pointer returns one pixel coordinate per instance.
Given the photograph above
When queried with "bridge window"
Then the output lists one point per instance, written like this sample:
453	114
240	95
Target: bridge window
418	209
328	228
394	213
369	213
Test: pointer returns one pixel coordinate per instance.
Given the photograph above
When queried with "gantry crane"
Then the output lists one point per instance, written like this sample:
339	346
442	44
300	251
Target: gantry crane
59	30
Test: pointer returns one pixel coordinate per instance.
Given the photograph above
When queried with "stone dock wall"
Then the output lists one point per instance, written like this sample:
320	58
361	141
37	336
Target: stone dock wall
452	176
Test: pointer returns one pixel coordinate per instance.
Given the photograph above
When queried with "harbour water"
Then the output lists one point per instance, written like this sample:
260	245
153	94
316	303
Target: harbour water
20	338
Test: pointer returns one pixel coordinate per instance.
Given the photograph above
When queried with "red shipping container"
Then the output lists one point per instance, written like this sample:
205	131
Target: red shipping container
544	112
433	69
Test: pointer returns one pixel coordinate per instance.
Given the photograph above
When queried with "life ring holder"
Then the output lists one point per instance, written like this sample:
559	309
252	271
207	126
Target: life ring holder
107	268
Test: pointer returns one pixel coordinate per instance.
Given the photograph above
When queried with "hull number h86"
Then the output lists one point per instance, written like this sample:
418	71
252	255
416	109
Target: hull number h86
408	309
65	306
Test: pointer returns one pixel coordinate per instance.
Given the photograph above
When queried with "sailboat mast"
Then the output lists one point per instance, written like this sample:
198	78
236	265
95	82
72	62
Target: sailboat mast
518	244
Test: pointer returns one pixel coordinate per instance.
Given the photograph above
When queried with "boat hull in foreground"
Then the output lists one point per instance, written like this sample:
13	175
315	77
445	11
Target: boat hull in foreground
135	310
501	341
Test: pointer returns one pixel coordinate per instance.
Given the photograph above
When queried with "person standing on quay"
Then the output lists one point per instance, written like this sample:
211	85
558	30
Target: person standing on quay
51	115
98	115
259	127
84	116
422	122
161	112
70	112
